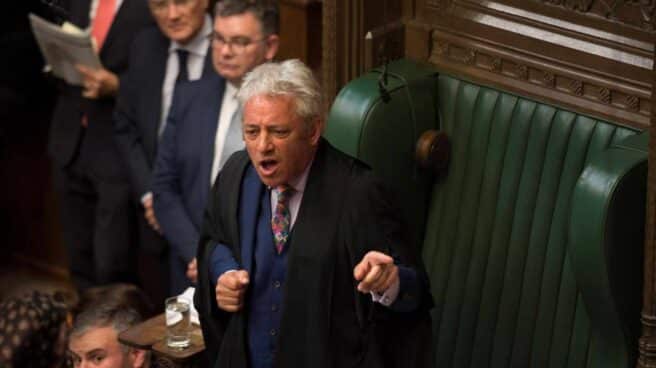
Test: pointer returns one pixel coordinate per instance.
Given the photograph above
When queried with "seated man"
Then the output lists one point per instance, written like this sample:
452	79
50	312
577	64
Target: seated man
103	313
306	262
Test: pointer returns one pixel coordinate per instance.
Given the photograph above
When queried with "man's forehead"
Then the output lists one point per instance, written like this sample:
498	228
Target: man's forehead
278	103
94	338
245	24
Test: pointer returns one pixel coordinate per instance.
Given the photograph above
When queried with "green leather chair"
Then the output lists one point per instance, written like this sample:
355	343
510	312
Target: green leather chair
533	238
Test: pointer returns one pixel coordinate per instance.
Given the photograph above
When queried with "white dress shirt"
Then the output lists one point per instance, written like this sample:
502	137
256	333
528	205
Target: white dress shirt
229	105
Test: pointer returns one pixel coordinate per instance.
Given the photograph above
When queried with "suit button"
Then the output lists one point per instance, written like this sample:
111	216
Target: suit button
274	308
276	284
272	332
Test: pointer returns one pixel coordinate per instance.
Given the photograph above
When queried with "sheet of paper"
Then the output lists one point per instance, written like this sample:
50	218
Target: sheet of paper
189	294
63	47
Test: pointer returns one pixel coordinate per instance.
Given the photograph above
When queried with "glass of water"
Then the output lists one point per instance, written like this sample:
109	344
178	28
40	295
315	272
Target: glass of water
178	324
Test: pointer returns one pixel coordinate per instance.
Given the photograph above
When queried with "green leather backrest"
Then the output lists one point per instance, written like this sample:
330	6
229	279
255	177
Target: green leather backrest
497	241
532	241
382	132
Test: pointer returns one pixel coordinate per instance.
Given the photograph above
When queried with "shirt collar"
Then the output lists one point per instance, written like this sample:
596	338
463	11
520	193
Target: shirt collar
199	44
231	90
300	181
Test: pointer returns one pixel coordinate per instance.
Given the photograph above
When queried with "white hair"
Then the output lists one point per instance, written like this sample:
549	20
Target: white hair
287	78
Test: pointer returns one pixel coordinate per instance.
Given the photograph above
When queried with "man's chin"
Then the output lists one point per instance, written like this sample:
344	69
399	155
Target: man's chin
270	181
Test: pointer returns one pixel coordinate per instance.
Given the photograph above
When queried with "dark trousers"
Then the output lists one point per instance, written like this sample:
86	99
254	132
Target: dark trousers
98	223
153	262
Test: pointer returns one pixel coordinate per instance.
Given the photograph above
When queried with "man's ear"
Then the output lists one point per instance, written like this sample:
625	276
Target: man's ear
272	44
138	358
316	130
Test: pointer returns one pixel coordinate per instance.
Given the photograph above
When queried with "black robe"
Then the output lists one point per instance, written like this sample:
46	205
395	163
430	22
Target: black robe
326	322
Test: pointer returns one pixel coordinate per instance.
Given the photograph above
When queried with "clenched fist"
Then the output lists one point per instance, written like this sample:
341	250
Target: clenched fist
230	289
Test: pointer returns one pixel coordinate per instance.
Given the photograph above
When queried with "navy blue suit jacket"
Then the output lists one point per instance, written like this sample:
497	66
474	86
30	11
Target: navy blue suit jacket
249	205
138	111
181	180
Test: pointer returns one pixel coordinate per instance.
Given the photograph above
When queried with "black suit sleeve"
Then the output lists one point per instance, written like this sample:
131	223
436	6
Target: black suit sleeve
126	131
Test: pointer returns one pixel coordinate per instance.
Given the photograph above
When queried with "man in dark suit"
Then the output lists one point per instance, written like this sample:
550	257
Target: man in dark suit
162	57
305	260
96	209
201	130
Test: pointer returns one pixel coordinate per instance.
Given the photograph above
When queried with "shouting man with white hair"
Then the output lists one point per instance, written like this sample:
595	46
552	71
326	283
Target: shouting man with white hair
304	261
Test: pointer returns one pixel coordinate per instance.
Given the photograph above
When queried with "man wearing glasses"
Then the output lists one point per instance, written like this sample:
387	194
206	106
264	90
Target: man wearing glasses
162	58
204	127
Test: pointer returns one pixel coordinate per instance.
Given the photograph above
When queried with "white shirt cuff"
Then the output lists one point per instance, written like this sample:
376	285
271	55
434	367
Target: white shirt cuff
146	196
389	296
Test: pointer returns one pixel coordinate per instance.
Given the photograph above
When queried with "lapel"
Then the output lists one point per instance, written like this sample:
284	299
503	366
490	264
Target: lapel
209	99
312	253
250	198
208	67
317	220
155	72
124	10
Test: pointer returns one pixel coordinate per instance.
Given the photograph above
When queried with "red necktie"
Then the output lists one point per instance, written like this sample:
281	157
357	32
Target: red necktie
103	20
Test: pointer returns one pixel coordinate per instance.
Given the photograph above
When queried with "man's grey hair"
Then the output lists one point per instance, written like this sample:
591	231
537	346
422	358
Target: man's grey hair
119	306
287	78
265	11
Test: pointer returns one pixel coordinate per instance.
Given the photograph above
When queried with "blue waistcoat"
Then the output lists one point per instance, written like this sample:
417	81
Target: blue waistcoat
267	279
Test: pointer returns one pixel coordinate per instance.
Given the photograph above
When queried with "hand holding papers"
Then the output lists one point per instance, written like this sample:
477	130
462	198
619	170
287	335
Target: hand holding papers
98	82
63	48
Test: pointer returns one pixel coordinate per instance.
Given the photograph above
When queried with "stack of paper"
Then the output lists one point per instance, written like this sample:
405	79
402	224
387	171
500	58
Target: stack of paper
64	47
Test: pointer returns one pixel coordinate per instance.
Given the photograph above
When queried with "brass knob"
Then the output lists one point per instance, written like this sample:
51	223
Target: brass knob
433	151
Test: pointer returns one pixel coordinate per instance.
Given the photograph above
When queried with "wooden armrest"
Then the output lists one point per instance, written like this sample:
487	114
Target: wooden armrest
145	334
151	334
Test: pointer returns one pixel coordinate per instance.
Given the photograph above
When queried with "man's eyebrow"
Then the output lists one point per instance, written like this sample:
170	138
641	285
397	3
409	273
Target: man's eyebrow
95	351
71	352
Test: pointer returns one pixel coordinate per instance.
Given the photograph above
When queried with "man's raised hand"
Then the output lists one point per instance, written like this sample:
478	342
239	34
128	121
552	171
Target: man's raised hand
376	272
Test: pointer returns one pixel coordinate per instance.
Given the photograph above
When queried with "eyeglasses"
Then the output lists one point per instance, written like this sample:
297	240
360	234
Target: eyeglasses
237	44
161	5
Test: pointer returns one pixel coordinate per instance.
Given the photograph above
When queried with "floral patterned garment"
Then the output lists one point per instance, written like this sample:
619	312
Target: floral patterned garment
32	331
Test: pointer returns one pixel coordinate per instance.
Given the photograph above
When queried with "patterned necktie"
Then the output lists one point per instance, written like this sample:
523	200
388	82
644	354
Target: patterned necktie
102	21
281	217
183	74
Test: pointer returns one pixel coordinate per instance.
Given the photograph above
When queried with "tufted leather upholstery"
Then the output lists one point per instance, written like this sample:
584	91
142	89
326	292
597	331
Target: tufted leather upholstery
533	240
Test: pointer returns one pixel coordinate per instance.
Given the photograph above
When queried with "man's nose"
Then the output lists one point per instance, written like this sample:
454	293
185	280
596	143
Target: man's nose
264	142
225	49
172	10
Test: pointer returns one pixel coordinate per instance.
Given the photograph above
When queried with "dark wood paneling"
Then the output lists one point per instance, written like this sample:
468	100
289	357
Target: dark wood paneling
348	51
648	340
300	31
579	60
